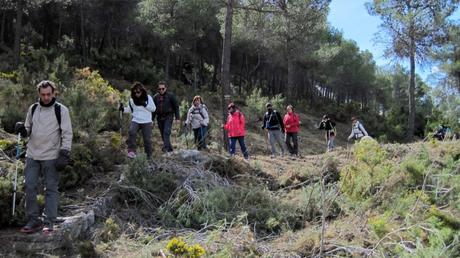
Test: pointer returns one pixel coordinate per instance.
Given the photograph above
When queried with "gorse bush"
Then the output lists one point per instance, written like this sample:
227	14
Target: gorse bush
362	178
179	248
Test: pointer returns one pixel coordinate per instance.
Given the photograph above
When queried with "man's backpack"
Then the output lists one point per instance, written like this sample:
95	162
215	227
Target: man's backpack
57	112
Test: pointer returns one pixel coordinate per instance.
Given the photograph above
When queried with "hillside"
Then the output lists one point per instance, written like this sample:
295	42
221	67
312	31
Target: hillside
378	200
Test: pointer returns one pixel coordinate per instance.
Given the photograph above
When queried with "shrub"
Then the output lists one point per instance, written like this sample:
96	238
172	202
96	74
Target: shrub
256	106
110	231
179	248
6	195
362	178
261	209
379	224
92	103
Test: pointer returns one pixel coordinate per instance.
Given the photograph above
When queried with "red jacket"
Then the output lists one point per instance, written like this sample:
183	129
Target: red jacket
291	122
235	124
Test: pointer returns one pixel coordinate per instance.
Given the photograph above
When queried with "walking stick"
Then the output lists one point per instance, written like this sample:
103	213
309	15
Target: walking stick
121	121
15	183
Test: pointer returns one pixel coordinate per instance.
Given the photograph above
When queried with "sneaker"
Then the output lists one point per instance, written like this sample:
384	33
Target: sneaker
32	226
272	156
131	154
48	227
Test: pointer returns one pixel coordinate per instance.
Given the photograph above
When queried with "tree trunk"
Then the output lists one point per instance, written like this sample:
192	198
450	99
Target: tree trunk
2	28
289	55
82	33
18	31
226	54
411	119
168	60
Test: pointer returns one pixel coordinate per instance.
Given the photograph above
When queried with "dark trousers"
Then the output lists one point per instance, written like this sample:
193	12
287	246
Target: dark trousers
292	143
242	145
33	170
146	134
165	126
200	137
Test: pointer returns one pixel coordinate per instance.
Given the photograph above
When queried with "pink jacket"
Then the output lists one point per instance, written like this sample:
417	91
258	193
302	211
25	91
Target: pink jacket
235	124
293	121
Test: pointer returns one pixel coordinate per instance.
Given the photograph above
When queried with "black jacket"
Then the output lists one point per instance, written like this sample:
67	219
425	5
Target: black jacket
326	125
273	121
166	105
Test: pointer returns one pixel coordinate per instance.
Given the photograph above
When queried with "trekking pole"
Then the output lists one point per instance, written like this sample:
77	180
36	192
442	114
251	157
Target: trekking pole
121	121
15	183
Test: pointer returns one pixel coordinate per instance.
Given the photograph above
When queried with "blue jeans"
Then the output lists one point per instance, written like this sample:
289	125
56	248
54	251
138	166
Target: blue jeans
242	145
47	168
200	136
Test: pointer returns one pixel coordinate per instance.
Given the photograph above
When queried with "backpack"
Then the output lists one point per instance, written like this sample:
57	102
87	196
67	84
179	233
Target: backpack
202	116
57	112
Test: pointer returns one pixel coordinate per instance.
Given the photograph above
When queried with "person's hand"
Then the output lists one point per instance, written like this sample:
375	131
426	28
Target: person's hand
287	126
20	128
121	108
63	159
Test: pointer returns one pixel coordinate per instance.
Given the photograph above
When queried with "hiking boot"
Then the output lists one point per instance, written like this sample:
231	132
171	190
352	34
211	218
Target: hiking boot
131	154
32	226
48	227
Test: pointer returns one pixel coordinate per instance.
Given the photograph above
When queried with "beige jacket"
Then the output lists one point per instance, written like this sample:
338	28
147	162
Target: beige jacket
46	139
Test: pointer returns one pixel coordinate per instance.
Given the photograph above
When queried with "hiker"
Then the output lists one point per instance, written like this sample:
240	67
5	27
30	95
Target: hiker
141	106
357	130
48	152
291	123
167	108
235	127
329	126
274	127
198	119
441	132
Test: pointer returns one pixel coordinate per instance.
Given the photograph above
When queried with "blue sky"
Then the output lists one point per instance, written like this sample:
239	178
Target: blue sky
352	18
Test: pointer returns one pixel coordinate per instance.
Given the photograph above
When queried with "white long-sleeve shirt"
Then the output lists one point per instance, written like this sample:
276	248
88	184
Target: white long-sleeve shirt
141	114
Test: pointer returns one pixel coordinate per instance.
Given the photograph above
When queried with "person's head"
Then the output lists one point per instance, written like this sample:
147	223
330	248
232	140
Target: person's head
138	91
354	119
162	87
269	107
290	109
325	117
231	108
46	91
197	100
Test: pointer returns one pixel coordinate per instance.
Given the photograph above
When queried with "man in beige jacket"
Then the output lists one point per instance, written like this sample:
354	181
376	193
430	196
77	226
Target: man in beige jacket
48	149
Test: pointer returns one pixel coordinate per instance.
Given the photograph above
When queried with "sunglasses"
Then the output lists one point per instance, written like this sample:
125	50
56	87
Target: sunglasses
137	91
160	89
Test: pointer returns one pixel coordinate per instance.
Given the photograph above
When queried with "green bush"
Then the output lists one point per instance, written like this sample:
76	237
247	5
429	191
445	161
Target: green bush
92	103
6	195
258	206
256	109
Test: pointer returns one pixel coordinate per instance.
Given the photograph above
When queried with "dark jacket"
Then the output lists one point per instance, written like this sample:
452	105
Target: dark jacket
166	105
328	126
273	121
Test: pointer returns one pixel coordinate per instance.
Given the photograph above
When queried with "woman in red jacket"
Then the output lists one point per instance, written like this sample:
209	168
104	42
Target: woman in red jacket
235	127
291	125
